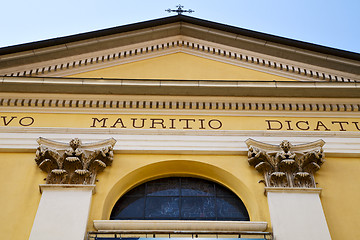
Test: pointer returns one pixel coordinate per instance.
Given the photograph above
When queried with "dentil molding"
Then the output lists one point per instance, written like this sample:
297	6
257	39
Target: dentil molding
135	52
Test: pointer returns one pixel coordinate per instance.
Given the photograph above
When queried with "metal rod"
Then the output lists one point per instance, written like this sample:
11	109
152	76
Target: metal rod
179	232
119	233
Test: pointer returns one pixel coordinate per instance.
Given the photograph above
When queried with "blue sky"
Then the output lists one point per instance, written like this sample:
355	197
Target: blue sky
332	23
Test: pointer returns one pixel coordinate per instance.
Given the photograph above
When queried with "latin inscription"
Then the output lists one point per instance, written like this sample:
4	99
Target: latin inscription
157	123
16	121
302	125
182	123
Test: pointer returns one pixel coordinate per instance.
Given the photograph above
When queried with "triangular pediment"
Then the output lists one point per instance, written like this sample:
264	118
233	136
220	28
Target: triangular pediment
184	45
180	66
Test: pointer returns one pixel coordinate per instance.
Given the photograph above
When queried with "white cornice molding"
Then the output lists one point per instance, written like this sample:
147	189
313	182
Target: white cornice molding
67	187
173	28
140	51
293	190
88	42
177	226
259	42
148	141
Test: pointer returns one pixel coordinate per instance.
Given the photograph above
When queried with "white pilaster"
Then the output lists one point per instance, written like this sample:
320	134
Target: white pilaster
297	214
63	212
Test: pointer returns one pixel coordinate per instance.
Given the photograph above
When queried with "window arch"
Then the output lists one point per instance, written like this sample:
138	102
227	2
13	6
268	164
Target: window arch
180	198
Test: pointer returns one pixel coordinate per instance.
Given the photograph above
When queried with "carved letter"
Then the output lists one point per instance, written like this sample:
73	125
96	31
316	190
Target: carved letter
101	120
298	125
154	121
215	120
4	119
26	124
142	122
172	124
340	124
119	120
270	127
356	125
289	126
201	123
321	124
187	122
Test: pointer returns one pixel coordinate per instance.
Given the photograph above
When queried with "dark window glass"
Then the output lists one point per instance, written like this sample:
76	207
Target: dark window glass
230	208
222	191
163	187
198	208
180	198
138	191
162	208
129	207
200	187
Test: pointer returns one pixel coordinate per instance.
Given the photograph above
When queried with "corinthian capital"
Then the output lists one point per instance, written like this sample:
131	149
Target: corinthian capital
286	165
74	162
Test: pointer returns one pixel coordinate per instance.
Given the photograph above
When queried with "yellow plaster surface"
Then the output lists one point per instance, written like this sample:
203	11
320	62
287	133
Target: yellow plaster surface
339	178
180	66
20	195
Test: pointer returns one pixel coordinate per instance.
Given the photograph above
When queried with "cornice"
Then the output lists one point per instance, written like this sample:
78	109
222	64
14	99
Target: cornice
149	141
168	104
178	226
96	59
293	190
271	147
65	187
180	20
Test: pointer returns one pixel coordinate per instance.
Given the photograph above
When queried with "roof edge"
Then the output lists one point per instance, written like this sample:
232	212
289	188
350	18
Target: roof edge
180	18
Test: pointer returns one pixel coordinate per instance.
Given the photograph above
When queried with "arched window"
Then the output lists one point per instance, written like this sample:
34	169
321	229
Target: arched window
180	198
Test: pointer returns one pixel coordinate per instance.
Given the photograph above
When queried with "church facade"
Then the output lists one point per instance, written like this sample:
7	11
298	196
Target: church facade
179	127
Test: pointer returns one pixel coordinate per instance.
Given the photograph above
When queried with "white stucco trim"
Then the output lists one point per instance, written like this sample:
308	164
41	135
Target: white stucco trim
62	213
293	190
297	214
178	225
179	43
337	144
63	187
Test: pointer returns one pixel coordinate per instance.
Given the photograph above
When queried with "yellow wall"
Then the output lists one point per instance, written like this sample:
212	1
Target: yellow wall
20	194
180	66
339	178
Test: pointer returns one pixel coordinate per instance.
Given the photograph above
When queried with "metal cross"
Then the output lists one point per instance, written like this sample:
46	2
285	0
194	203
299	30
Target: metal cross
179	10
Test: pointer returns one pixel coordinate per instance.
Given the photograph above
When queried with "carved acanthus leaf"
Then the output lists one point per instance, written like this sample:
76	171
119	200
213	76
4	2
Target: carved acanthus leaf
286	165
73	163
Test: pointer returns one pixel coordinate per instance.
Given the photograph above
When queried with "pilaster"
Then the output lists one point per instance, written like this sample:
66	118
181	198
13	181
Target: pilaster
297	214
66	197
63	212
294	200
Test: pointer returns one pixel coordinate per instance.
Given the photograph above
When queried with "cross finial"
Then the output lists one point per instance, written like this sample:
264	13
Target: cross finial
179	10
